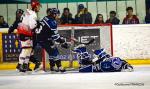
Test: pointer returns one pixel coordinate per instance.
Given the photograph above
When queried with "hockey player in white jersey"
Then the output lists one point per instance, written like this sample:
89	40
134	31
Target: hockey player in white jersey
24	30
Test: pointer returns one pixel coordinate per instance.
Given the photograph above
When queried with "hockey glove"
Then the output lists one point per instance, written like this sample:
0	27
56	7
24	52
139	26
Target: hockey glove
65	45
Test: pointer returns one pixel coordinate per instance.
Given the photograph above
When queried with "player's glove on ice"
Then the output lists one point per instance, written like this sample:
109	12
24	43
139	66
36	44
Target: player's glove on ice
65	45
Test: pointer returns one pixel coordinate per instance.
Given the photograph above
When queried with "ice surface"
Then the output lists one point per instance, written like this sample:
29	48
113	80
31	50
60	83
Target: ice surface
139	79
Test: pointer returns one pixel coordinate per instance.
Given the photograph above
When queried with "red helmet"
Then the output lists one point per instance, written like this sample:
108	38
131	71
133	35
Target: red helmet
35	3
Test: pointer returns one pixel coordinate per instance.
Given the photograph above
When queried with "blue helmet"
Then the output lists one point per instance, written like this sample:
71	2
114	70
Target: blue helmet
53	11
19	14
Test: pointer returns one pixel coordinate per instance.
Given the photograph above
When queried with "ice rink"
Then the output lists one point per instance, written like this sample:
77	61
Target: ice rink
139	79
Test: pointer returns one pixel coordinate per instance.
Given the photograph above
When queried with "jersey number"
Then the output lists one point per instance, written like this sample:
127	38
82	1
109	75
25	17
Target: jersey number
38	30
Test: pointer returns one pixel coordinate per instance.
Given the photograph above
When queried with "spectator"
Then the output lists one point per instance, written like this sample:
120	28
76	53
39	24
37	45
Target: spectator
130	18
99	19
18	20
3	24
66	17
83	16
113	19
147	17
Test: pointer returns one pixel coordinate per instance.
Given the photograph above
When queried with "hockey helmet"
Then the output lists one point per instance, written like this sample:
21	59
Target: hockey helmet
53	11
35	3
19	11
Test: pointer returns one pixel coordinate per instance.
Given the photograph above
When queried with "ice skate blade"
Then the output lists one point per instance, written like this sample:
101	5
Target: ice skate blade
38	69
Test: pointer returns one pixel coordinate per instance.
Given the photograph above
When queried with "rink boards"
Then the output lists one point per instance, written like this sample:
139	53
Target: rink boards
130	42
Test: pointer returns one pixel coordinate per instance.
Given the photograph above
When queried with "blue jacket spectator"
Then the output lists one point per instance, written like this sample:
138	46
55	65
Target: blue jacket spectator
18	20
3	24
83	16
66	17
113	19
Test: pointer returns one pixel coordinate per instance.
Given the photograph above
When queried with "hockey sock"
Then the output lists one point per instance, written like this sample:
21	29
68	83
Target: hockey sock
33	59
58	63
52	64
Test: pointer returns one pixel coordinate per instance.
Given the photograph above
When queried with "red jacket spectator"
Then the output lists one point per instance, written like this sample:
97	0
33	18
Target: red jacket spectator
131	20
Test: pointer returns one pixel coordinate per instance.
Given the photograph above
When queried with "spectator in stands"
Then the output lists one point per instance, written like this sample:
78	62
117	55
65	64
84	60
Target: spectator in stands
113	19
3	24
147	17
83	16
66	17
130	18
99	19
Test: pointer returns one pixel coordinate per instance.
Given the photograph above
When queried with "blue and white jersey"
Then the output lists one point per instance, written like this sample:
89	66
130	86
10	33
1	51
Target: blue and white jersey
48	30
82	53
108	63
101	53
111	65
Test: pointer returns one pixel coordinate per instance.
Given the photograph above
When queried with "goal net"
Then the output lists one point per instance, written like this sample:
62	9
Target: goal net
83	33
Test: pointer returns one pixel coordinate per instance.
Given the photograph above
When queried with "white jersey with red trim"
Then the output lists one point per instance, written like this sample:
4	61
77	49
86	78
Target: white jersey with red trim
30	18
29	22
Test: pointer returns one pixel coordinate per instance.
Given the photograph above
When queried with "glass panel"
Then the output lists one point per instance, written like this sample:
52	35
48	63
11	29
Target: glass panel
11	13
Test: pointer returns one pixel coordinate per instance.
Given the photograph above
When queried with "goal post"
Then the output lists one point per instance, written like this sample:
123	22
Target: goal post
102	33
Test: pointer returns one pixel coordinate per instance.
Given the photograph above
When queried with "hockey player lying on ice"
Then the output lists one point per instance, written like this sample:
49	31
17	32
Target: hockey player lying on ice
102	62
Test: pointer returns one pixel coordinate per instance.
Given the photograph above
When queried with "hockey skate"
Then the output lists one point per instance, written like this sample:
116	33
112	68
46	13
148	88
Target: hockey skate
18	67
60	69
23	68
37	67
53	70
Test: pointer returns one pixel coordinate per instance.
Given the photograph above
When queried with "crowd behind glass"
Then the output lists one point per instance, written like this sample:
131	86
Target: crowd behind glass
83	16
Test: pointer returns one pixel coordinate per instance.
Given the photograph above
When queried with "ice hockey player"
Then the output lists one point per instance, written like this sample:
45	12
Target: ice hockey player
24	29
102	62
108	63
47	35
19	15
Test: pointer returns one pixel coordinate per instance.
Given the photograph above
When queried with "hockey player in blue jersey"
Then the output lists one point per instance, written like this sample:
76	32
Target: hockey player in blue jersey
102	62
108	63
47	35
